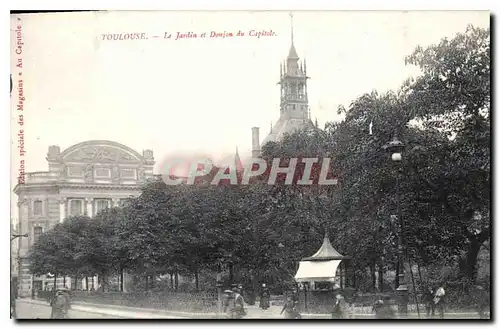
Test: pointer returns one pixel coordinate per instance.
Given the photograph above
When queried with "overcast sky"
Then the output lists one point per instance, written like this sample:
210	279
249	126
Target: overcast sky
203	95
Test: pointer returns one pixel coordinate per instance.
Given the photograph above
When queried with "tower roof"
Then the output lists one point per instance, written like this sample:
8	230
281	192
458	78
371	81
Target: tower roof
237	161
292	54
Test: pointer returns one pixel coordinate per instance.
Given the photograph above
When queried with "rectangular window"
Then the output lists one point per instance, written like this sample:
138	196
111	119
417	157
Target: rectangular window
37	208
101	204
75	171
103	173
37	231
76	207
128	173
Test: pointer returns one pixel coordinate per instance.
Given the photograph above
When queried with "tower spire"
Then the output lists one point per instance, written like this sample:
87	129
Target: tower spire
293	53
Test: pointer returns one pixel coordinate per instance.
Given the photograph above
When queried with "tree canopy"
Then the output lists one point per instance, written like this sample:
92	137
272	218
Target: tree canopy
441	189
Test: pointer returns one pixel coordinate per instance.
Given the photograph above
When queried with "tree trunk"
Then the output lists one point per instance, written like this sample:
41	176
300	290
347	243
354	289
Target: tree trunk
87	283
172	281
55	281
471	259
396	281
381	278
176	281
121	279
147	283
374	278
64	281
197	280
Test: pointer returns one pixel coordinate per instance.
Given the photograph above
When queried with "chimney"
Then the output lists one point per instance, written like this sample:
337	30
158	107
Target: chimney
255	142
54	159
54	152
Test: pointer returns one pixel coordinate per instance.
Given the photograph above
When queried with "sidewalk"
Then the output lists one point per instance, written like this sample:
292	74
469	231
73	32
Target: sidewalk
120	312
253	312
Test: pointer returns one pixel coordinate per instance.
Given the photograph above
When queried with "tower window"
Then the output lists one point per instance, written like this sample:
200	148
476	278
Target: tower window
37	208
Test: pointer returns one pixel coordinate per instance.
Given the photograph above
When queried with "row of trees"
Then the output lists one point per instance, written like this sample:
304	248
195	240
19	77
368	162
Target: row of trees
442	117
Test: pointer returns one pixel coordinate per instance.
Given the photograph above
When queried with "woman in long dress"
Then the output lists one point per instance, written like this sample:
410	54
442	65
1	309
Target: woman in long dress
265	297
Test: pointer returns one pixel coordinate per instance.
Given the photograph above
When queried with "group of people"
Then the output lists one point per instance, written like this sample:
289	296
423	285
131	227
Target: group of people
434	300
234	303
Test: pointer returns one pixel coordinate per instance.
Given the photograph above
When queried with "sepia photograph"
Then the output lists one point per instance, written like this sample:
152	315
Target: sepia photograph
293	165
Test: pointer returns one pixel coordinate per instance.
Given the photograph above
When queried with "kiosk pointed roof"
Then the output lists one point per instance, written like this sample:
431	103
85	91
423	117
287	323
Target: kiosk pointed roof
326	252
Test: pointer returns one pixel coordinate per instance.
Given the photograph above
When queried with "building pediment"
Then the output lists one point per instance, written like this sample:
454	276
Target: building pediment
101	153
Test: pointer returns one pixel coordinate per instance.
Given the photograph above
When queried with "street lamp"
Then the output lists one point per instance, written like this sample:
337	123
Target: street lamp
395	147
229	257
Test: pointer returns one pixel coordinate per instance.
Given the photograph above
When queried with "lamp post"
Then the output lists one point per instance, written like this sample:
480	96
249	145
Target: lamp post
229	257
395	147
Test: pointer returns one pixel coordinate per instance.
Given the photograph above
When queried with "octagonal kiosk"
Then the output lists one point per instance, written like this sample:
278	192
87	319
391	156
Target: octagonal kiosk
320	277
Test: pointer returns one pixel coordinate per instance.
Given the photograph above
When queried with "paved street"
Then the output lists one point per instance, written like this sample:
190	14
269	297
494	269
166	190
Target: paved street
27	310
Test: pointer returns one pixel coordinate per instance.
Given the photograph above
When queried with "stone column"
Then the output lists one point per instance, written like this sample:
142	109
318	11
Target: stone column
23	225
62	209
89	206
24	274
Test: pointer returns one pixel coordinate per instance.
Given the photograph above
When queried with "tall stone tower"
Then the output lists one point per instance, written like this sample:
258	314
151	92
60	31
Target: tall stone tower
294	106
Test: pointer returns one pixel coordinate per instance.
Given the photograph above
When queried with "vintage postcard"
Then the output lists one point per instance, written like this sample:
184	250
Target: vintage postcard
250	165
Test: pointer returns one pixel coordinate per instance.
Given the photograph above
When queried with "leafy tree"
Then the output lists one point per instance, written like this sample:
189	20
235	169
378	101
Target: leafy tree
453	97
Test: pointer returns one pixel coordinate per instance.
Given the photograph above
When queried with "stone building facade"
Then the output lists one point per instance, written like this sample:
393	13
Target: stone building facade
82	180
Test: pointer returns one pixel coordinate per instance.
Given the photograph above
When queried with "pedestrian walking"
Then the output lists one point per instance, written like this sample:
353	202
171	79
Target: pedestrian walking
60	304
439	301
377	308
234	305
265	297
295	295
383	309
339	307
428	300
290	309
481	299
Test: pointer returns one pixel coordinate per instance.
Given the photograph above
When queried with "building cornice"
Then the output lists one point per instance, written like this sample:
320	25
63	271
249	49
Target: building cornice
33	186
